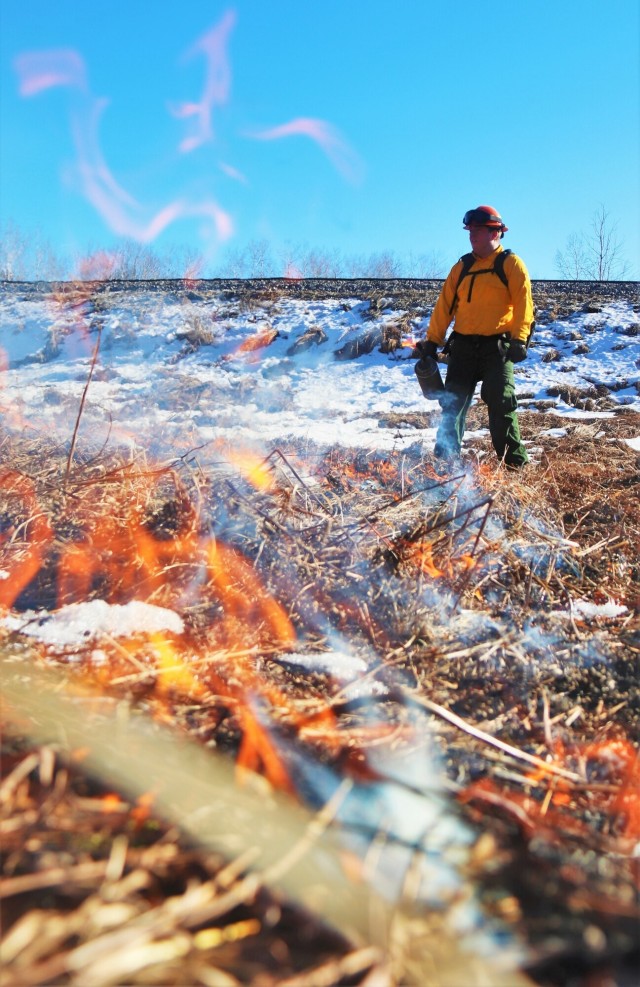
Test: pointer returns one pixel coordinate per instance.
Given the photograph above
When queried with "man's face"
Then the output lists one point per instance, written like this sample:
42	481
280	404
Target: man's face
484	240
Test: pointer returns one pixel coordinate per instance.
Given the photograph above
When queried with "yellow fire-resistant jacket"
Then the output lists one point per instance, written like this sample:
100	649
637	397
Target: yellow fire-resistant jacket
484	305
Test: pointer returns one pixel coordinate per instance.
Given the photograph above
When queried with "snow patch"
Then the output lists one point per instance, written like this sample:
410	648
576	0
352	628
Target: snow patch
82	622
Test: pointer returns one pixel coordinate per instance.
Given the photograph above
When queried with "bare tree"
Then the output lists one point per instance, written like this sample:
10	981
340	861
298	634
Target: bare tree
253	260
427	266
27	256
13	250
607	262
232	265
571	263
259	259
312	262
136	262
354	266
596	255
383	265
47	265
185	262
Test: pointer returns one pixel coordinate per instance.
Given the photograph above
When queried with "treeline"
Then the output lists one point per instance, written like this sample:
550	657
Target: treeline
26	257
595	254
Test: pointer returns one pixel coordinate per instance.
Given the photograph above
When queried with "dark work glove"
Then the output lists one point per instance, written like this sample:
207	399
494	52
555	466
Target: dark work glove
425	347
517	351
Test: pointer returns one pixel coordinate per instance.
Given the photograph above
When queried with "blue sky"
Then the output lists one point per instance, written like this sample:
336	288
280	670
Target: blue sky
357	126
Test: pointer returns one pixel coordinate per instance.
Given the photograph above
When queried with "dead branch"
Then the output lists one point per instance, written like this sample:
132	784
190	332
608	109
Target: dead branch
486	738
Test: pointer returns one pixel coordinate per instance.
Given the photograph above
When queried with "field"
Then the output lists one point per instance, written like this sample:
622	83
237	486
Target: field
390	736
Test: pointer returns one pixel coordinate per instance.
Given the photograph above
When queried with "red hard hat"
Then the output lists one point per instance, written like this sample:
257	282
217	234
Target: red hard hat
484	216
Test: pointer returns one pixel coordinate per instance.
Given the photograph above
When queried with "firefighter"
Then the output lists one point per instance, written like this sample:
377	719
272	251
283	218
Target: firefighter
487	295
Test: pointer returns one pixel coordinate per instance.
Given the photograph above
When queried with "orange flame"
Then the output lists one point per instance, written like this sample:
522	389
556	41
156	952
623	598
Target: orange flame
257	750
619	796
174	674
622	760
261	339
123	557
253	468
246	600
112	802
142	809
420	554
386	470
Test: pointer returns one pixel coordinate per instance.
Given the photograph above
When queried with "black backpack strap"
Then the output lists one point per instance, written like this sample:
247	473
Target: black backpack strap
468	261
498	266
467	264
499	269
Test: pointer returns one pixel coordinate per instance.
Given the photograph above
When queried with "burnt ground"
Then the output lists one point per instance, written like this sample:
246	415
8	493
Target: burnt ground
467	599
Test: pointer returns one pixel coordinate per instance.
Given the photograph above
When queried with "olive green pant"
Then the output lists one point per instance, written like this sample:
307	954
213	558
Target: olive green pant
473	359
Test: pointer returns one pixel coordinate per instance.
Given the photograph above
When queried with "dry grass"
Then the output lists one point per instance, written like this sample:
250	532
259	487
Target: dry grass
455	588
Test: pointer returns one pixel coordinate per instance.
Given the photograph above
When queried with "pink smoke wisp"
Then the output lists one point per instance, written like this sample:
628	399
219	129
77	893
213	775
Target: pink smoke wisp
217	85
123	214
326	136
38	71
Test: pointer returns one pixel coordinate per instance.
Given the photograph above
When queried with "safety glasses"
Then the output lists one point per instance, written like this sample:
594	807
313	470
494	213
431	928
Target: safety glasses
480	217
